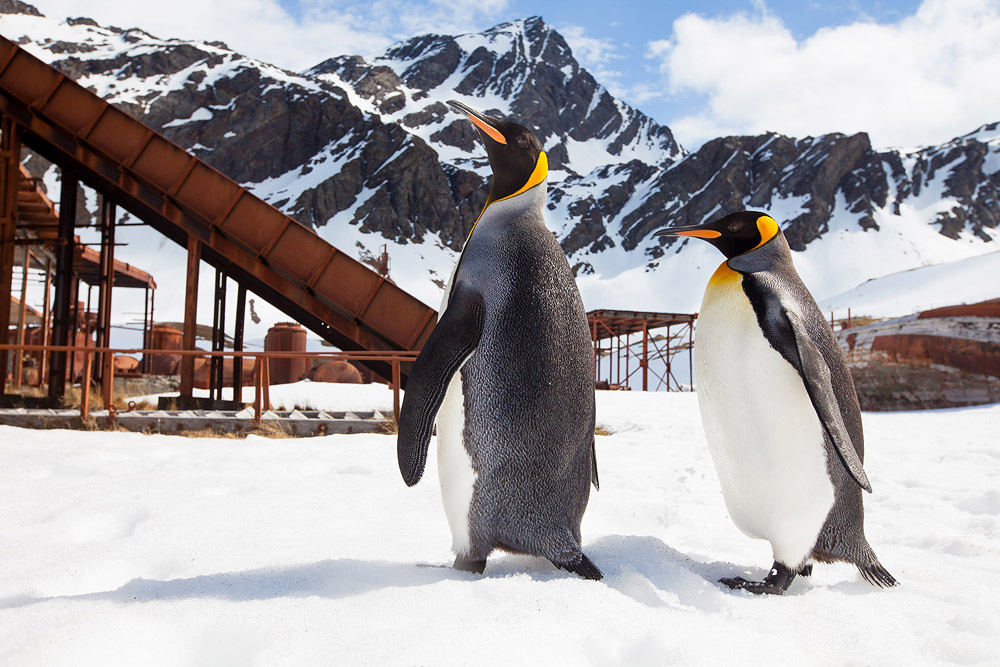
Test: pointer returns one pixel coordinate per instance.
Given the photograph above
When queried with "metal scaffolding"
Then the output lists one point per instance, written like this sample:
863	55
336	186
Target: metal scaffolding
625	344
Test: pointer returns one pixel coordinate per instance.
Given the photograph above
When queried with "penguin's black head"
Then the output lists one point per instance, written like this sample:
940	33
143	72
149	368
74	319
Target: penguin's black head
734	234
516	155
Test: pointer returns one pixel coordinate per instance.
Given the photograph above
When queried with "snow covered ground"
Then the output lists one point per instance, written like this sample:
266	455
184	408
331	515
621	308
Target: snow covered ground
124	549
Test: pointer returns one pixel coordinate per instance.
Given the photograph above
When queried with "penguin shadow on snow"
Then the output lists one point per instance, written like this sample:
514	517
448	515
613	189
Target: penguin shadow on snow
341	578
645	569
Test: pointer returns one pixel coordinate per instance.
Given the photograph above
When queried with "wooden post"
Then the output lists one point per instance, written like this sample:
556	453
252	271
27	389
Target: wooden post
190	316
21	314
10	158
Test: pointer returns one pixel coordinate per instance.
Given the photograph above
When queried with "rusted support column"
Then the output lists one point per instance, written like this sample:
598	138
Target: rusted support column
628	354
216	374
190	315
88	358
241	304
64	284
46	323
645	357
670	342
152	322
10	158
21	315
690	355
145	330
106	287
258	395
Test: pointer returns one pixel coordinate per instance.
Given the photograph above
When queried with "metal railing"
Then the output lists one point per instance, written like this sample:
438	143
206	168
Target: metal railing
262	373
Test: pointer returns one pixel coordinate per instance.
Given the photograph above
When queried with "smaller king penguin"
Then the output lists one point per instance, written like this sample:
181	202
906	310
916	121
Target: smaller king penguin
779	408
508	374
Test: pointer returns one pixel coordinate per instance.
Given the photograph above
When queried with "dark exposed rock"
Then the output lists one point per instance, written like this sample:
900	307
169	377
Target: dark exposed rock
18	7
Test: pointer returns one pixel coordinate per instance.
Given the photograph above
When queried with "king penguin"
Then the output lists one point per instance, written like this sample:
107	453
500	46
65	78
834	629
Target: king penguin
779	408
508	373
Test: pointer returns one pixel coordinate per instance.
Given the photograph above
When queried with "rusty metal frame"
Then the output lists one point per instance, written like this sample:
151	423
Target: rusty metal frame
614	325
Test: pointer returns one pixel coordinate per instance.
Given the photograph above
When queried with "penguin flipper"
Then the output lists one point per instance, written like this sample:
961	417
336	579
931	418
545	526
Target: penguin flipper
448	347
819	385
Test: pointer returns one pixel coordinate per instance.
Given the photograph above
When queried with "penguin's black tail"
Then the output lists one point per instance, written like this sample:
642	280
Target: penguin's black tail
584	568
876	575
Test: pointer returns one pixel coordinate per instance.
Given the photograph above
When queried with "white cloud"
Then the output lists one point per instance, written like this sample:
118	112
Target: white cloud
596	54
925	79
263	29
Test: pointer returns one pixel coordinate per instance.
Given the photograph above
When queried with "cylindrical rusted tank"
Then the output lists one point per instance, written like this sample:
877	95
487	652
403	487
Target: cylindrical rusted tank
165	337
286	337
337	371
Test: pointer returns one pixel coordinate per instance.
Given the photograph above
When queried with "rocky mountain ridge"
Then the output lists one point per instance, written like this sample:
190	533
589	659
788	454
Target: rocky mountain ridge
365	150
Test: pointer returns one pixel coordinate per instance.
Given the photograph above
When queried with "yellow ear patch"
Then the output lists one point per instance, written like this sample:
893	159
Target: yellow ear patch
768	229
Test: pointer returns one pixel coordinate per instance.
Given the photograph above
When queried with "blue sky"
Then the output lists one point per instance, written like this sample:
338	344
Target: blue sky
909	72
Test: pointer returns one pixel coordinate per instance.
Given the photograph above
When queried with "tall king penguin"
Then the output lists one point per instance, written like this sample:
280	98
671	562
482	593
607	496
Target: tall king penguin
779	408
508	372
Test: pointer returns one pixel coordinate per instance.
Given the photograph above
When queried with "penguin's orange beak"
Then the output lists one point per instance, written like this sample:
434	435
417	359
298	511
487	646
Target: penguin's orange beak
481	121
695	231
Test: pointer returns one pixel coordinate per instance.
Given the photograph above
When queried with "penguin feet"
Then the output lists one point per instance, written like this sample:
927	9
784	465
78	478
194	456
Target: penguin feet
469	565
585	568
775	583
806	571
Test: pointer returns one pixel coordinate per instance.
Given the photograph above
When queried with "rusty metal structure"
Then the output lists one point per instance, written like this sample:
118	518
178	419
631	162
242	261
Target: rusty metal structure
218	221
624	345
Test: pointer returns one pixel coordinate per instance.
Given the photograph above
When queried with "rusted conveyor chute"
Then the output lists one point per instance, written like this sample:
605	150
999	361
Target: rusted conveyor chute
277	257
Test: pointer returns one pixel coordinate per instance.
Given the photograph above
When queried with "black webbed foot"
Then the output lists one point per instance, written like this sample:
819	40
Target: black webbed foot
585	568
775	583
806	571
466	565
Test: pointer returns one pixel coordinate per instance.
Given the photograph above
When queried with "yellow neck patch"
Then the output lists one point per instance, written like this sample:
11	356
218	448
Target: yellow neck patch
768	229
723	275
538	175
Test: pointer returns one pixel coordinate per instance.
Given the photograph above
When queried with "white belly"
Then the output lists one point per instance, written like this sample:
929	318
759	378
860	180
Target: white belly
762	430
455	471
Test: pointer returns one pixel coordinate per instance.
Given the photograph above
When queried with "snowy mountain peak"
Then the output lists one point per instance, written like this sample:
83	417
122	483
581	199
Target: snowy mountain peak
523	69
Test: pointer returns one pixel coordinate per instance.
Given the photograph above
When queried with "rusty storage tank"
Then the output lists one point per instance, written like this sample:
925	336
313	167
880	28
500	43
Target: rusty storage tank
337	371
286	337
164	337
